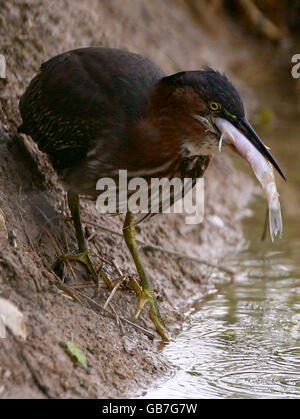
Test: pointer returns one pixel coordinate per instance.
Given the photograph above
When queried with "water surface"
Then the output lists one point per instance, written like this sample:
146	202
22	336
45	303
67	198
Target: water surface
244	342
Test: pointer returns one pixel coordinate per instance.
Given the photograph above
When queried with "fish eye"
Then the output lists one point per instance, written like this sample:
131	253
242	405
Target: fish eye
214	106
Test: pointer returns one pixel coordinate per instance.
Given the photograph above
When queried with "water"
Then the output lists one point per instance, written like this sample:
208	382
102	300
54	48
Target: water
244	342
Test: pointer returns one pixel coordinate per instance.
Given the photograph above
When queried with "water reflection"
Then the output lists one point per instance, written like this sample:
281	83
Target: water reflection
245	342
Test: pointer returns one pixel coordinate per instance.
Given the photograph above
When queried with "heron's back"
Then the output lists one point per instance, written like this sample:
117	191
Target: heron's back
84	96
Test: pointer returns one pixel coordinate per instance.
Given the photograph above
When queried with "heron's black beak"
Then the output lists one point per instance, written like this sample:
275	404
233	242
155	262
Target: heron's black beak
244	127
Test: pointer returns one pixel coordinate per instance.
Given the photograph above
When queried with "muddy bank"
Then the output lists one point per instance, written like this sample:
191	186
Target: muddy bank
122	360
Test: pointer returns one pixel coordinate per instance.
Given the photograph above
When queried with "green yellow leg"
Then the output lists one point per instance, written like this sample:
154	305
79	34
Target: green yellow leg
83	256
145	294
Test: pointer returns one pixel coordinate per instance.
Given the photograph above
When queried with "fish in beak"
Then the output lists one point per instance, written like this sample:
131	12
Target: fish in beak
243	139
245	128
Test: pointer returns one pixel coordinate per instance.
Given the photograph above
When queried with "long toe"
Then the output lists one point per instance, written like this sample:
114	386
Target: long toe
148	297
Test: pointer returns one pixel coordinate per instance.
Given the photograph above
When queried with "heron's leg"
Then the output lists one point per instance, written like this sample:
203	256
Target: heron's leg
145	294
83	254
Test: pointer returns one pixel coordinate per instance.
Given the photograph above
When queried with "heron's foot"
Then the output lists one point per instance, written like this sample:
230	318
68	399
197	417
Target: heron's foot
147	296
87	260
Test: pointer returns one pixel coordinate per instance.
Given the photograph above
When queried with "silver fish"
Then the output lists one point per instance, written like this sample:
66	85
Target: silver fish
261	168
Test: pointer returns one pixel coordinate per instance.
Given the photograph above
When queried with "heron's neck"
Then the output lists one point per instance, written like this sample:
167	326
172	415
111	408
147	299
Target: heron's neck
171	126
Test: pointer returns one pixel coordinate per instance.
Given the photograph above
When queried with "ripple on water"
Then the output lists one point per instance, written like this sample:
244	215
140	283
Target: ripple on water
245	342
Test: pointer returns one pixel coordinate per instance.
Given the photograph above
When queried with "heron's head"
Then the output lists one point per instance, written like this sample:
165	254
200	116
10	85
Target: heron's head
213	99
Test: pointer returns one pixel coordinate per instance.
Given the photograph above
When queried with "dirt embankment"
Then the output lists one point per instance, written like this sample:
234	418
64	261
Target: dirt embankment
122	360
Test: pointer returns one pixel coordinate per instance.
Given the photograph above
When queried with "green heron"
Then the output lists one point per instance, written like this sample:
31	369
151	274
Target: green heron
95	111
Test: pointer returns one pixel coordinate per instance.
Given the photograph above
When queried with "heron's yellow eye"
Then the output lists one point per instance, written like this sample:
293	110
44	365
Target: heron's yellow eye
214	106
